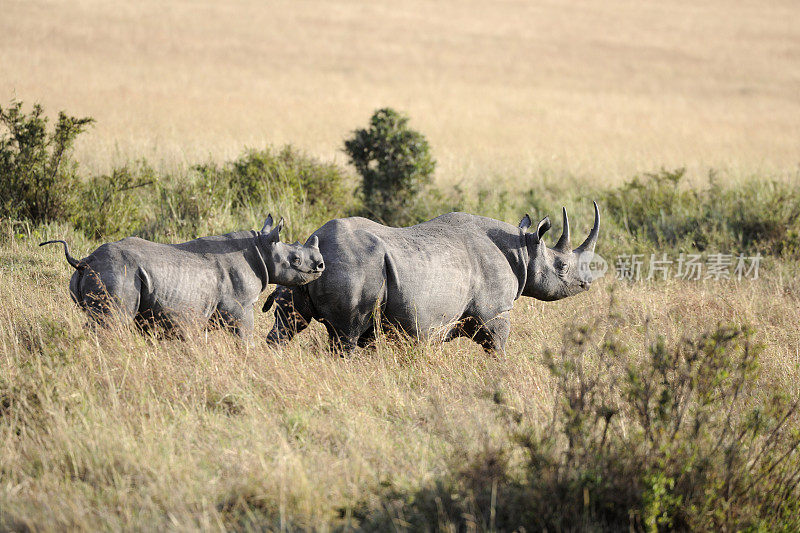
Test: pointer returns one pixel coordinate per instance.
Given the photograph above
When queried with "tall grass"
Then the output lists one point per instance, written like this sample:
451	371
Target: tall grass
668	435
113	429
659	414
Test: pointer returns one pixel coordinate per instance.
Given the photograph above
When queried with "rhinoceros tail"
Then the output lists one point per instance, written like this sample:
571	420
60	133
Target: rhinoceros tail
270	301
77	265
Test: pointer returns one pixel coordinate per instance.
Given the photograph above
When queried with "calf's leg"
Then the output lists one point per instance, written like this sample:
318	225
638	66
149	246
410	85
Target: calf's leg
237	318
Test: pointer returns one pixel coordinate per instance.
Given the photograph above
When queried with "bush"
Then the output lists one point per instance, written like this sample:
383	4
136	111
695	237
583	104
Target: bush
261	176
681	436
658	213
108	207
395	165
42	184
37	175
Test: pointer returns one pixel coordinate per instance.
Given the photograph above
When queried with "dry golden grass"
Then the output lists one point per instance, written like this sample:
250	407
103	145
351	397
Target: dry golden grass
115	430
532	90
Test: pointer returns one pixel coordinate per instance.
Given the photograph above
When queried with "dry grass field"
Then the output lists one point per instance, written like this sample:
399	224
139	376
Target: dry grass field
117	431
514	89
113	430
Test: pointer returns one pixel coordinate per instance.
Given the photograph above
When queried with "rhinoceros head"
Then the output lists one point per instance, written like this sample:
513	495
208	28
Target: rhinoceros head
558	272
289	264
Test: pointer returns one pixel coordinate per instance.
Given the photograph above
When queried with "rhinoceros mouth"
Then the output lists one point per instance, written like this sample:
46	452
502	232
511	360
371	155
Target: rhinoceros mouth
309	271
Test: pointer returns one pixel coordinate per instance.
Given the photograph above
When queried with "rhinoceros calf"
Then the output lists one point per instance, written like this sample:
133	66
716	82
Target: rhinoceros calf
175	285
455	275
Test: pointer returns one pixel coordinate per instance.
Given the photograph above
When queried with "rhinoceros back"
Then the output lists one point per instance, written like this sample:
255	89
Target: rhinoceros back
424	277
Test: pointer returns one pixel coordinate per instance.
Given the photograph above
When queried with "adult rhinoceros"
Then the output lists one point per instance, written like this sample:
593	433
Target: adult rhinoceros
178	284
455	275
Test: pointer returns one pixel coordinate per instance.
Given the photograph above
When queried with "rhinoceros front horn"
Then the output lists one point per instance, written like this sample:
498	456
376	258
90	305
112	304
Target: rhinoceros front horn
563	244
591	240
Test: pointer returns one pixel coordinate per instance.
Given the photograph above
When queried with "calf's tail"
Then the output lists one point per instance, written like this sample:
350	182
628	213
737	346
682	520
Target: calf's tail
77	265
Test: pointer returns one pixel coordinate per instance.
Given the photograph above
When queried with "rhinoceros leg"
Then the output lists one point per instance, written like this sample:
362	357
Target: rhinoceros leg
350	329
492	334
293	313
237	317
107	296
343	341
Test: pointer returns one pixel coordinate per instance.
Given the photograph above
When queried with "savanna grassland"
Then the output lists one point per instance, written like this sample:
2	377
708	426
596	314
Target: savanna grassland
654	404
516	90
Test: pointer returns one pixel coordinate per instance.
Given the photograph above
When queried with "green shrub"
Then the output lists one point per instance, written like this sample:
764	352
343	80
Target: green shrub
655	208
214	198
261	176
656	212
678	436
757	215
37	174
395	165
109	205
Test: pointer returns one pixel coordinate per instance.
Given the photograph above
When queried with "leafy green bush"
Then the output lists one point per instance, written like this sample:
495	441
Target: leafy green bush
680	436
657	212
109	207
37	174
42	184
654	207
395	165
260	176
757	215
239	193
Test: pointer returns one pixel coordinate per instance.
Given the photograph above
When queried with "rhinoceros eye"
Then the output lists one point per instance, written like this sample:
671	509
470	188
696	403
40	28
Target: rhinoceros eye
562	269
296	261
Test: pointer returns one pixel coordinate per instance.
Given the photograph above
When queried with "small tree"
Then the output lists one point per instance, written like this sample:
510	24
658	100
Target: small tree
37	175
395	165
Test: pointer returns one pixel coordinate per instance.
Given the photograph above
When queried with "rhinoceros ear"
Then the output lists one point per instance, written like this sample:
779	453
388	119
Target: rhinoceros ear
274	233
525	223
267	224
313	242
541	229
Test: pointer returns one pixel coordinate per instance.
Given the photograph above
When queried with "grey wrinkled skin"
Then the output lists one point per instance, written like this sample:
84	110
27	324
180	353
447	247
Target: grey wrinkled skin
175	285
456	275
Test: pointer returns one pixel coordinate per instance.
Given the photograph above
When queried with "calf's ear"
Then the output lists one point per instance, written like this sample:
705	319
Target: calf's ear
274	233
525	223
267	224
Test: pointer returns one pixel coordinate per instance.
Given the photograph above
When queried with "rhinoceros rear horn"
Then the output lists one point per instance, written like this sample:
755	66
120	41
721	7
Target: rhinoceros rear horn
590	242
313	242
563	244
